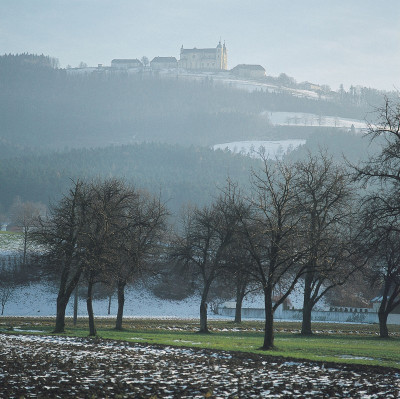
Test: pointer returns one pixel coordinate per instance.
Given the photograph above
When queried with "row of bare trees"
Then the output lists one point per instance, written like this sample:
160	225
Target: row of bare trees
308	221
296	224
300	223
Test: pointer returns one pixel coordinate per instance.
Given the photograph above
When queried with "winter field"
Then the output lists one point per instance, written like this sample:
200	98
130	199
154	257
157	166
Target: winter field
60	367
159	354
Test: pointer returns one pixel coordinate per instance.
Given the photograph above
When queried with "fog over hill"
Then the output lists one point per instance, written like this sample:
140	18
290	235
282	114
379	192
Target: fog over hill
148	129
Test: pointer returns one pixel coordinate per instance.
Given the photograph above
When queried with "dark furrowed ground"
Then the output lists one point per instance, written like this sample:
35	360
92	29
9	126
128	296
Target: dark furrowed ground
60	367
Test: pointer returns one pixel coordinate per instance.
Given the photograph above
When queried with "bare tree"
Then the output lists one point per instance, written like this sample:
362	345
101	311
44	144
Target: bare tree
60	235
24	216
240	264
381	174
7	286
381	245
323	195
142	239
108	206
272	237
386	271
207	235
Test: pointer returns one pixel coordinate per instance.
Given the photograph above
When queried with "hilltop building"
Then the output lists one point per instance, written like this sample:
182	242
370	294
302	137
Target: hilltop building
126	63
211	59
164	63
249	71
311	86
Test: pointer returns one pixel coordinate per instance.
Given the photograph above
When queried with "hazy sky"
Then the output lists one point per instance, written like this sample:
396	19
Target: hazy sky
323	41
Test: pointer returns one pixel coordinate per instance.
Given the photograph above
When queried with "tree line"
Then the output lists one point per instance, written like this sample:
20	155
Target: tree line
182	174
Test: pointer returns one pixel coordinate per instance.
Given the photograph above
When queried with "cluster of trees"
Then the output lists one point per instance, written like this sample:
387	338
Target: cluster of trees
296	225
101	231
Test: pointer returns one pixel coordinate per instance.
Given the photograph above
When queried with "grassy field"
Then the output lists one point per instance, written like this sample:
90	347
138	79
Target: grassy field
339	343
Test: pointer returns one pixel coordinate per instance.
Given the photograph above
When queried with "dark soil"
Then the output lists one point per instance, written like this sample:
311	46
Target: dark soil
62	367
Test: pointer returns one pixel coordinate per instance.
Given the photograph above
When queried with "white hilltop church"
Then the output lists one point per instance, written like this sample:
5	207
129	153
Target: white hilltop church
195	60
211	59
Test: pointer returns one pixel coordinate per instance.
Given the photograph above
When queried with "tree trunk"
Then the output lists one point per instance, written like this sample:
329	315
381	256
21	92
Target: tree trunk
109	304
383	316
62	302
203	309
92	329
239	301
64	293
121	302
269	320
25	246
203	317
76	306
307	305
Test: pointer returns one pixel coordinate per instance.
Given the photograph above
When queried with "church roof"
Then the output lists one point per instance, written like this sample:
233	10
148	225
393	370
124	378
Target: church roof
198	50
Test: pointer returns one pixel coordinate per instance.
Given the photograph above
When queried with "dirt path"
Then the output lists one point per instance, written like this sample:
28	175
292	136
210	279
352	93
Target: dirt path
60	367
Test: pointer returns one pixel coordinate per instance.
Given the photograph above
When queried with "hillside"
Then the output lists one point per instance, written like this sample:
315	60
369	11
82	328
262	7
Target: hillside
46	108
180	174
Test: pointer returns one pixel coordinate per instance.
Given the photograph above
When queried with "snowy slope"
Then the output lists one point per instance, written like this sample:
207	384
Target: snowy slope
306	119
40	300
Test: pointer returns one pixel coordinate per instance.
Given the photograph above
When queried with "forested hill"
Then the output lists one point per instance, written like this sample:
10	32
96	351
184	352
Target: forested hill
42	106
182	175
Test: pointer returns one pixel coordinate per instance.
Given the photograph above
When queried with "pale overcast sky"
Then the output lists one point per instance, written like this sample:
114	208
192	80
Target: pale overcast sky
322	41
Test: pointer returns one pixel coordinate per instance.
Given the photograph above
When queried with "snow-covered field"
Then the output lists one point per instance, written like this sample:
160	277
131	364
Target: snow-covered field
271	149
40	366
306	119
40	300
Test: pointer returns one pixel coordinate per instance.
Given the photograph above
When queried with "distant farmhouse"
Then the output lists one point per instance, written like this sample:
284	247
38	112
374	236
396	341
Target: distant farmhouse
163	63
249	71
126	63
209	59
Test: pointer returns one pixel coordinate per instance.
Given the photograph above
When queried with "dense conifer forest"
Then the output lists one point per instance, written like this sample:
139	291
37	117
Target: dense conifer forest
181	174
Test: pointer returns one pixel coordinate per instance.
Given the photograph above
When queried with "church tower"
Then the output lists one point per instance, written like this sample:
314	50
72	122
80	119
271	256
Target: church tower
205	59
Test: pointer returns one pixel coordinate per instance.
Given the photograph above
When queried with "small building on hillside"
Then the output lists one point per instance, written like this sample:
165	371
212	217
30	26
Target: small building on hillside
310	86
208	59
164	63
126	63
249	71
